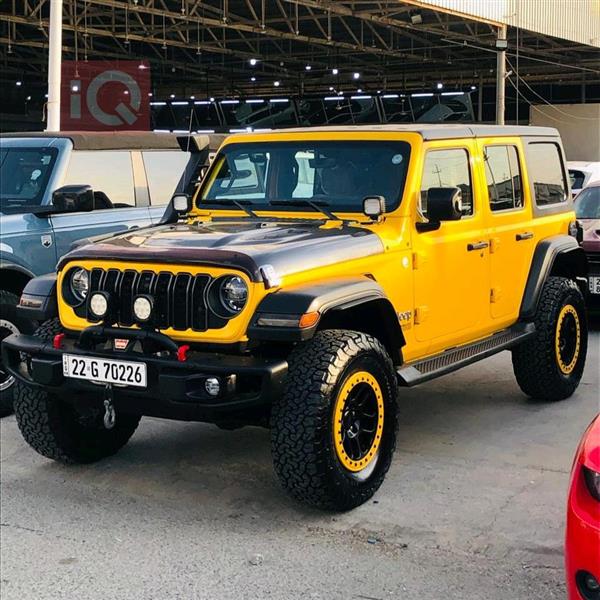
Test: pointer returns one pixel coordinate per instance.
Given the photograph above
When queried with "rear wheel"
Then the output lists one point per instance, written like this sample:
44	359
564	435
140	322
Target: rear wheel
9	323
57	430
334	430
550	365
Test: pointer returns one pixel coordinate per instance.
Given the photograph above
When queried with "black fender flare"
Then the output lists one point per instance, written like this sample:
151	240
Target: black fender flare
332	297
38	300
558	255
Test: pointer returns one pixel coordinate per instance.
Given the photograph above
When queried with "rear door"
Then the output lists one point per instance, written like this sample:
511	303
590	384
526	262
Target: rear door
167	172
119	183
508	209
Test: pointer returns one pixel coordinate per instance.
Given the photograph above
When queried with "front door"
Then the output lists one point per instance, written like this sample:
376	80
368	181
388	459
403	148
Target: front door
451	264
512	242
120	192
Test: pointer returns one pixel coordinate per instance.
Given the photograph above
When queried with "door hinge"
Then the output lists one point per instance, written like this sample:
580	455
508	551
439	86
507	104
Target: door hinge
418	260
494	245
495	295
421	313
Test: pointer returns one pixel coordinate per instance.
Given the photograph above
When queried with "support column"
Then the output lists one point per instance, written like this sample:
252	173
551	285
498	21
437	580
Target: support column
501	45
54	65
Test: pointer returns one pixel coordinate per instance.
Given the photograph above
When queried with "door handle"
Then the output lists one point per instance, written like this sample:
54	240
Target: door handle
477	246
526	235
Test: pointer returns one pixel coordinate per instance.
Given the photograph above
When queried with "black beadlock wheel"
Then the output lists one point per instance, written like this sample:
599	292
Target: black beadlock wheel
10	323
550	365
55	429
333	432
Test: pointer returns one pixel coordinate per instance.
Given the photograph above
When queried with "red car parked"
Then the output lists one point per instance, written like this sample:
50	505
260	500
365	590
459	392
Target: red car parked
582	546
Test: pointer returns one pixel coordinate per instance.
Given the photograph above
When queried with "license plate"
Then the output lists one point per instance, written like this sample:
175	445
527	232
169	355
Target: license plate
104	370
594	283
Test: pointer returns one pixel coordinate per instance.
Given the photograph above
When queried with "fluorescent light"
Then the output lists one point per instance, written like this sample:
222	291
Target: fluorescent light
390	96
205	131
180	131
274	100
425	95
255	101
453	93
158	103
203	102
330	98
360	97
230	101
237	130
180	103
161	130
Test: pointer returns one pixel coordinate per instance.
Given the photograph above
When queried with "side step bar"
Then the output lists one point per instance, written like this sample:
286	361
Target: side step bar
453	359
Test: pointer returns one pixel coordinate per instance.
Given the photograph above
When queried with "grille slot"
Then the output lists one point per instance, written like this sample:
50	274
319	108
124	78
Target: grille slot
179	299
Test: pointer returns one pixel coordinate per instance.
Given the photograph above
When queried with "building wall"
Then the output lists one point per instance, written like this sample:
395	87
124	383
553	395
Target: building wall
574	20
579	126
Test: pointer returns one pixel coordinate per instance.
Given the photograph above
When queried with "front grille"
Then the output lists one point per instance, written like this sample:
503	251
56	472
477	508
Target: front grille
179	299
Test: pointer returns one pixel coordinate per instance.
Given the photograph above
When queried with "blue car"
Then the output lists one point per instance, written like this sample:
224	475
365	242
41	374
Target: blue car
56	189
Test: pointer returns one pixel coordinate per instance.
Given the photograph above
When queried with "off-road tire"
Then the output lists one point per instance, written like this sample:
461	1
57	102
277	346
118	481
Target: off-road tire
56	430
10	322
536	362
302	443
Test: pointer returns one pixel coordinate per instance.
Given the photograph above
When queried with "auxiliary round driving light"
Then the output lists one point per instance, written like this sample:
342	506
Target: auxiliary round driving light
142	308
98	305
212	386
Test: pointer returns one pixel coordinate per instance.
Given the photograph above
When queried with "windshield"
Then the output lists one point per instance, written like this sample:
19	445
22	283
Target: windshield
587	204
24	174
338	175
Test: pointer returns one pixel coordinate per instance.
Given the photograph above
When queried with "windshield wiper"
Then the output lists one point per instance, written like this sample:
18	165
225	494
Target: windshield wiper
318	206
241	204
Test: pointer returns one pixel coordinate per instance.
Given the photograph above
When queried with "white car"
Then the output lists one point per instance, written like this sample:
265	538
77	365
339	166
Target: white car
582	173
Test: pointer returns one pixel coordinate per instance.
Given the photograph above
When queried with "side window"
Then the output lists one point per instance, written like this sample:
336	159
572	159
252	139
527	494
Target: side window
447	168
546	172
163	172
109	173
503	177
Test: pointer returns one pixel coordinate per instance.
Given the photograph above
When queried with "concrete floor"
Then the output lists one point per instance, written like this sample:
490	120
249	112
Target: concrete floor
472	508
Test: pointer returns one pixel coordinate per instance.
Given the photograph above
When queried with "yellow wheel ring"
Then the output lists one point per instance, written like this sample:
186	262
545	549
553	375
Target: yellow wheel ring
345	437
567	312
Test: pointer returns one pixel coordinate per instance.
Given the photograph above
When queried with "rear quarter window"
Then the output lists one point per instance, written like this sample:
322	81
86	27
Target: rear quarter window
547	173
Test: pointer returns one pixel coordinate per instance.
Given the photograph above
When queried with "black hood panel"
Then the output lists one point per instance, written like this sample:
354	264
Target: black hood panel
248	245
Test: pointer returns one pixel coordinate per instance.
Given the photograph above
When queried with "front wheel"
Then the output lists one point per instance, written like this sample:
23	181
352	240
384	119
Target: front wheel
10	322
333	432
57	430
549	366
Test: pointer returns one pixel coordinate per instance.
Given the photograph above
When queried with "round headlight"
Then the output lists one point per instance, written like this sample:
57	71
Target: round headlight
233	293
80	283
98	305
142	308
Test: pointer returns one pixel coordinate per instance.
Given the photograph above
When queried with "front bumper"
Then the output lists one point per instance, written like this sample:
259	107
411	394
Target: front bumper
175	389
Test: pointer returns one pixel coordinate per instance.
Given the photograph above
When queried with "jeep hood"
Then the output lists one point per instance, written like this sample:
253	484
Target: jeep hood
247	245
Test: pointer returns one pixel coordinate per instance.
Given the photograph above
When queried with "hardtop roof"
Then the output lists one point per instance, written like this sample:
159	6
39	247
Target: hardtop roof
429	131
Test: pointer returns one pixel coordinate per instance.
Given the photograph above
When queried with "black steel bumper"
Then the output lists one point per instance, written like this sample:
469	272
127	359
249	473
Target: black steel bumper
175	388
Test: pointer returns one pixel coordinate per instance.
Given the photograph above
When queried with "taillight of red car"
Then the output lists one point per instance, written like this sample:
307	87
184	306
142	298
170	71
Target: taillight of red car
582	545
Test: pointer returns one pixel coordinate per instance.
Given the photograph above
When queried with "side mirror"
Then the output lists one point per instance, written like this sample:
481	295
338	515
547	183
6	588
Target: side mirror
374	207
182	203
444	204
73	198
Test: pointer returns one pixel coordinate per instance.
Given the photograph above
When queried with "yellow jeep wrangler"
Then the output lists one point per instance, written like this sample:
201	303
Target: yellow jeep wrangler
313	274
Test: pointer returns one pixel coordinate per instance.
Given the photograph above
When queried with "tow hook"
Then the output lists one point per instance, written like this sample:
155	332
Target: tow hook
110	416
